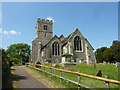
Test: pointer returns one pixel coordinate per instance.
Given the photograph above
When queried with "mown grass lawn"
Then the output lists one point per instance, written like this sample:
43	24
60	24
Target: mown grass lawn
108	69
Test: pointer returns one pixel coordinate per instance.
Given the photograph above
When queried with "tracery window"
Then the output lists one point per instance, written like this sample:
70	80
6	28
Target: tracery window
55	49
77	43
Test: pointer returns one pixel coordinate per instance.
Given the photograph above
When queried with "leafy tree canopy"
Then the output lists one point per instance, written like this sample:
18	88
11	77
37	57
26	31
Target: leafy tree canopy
111	54
18	52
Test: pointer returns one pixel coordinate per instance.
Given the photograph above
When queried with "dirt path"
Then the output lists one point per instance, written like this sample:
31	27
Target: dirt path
25	80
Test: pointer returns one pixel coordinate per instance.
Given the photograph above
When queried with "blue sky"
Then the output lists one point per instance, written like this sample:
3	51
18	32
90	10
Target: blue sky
97	21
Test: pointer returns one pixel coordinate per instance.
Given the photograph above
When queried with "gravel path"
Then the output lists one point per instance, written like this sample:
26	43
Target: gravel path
25	80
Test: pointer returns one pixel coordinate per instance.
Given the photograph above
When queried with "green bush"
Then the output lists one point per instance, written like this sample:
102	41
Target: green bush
6	81
66	55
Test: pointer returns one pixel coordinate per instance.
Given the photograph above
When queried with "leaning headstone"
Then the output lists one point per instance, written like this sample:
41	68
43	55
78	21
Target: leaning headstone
108	63
99	73
114	64
80	61
117	64
104	62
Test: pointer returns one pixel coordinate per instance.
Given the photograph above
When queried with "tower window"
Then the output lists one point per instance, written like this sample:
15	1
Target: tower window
45	27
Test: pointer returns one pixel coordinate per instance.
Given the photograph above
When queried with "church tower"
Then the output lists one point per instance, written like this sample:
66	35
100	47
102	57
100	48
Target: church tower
43	35
44	30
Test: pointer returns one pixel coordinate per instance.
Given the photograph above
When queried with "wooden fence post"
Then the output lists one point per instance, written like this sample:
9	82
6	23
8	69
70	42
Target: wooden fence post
78	81
67	82
60	76
107	84
51	72
44	70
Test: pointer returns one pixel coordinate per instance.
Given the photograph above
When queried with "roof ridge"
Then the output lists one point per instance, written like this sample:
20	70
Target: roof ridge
67	38
61	36
50	41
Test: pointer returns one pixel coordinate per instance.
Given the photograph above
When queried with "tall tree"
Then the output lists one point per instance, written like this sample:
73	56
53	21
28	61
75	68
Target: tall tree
116	50
108	55
18	53
99	54
111	54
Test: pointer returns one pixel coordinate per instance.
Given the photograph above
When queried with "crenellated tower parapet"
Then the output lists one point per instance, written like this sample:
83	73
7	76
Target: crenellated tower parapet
44	30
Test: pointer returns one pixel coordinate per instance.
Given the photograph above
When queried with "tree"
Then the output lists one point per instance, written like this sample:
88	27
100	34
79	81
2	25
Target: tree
116	50
108	55
111	54
18	53
99	54
6	82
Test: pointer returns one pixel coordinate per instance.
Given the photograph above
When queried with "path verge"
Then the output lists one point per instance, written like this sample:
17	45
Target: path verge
45	80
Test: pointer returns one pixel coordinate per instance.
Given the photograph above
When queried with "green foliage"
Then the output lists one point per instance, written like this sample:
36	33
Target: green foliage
6	82
18	53
66	55
111	54
99	54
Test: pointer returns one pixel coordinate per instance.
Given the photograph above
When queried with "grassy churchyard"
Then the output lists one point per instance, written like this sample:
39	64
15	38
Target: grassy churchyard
109	70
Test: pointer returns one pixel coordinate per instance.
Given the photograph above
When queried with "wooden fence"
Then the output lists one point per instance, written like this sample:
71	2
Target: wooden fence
106	80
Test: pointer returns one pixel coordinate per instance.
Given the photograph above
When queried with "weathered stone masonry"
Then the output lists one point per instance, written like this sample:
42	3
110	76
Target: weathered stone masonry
45	47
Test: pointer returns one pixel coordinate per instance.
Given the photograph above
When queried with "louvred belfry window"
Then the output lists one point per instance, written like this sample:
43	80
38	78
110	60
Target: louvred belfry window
45	27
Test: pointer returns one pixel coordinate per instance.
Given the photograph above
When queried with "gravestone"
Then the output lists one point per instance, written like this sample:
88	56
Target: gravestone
53	65
80	61
117	64
108	63
104	62
63	60
99	73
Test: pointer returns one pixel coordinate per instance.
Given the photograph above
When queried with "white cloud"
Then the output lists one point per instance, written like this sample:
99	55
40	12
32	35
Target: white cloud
10	32
5	32
13	32
50	18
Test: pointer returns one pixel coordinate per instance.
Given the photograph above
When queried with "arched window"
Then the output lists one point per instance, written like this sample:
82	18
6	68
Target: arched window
77	43
55	49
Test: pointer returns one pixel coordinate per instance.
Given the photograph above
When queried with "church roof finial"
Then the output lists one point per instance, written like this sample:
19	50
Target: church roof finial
76	28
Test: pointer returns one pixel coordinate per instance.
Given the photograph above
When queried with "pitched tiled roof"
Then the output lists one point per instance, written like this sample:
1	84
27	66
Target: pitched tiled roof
67	38
61	36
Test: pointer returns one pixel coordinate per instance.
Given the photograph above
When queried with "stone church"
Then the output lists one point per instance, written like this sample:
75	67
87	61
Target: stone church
49	48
